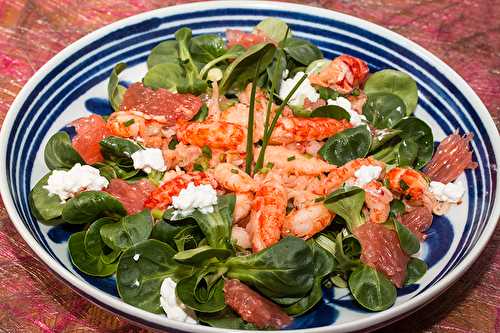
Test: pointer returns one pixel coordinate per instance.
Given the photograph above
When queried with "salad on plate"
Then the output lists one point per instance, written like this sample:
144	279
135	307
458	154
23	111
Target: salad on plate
244	175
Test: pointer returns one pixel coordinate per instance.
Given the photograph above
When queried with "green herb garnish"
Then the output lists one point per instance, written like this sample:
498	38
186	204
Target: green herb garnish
129	122
291	158
206	151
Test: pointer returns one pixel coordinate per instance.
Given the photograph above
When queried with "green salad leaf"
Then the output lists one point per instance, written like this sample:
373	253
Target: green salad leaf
200	254
59	152
86	262
86	207
128	231
43	205
242	69
394	82
205	48
347	145
347	202
323	263
415	269
139	280
168	75
194	84
202	292
283	270
330	111
114	148
225	318
215	226
232	53
301	50
164	53
384	110
316	67
183	236
94	244
420	134
371	289
407	239
274	28
412	146
115	90
381	137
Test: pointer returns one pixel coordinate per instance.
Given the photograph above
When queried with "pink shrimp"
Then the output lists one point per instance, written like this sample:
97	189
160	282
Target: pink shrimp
233	179
408	182
297	129
343	74
126	124
339	175
377	199
238	114
241	237
183	156
306	222
290	161
267	215
243	206
214	134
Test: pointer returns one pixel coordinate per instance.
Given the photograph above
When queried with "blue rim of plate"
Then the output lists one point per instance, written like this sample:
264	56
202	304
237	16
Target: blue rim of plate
79	67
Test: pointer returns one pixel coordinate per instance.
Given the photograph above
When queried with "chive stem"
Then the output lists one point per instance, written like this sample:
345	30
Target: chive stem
269	131
251	114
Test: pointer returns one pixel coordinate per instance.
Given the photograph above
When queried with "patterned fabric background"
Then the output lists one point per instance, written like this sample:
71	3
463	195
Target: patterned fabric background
466	34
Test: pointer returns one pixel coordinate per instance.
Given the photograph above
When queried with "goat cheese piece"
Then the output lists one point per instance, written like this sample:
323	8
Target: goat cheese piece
202	197
66	184
366	174
304	90
149	159
451	192
356	118
172	306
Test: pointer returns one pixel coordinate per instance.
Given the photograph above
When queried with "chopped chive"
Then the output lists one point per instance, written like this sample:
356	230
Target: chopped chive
308	156
403	185
291	158
198	167
251	113
206	151
319	199
174	142
264	170
235	171
355	92
129	122
269	165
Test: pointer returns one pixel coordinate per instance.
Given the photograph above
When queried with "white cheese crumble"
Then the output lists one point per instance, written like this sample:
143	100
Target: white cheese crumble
365	174
202	197
356	118
66	184
172	306
149	159
136	257
451	192
303	91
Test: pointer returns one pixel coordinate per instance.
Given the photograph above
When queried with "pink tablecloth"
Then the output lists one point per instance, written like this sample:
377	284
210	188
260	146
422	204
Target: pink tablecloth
466	34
